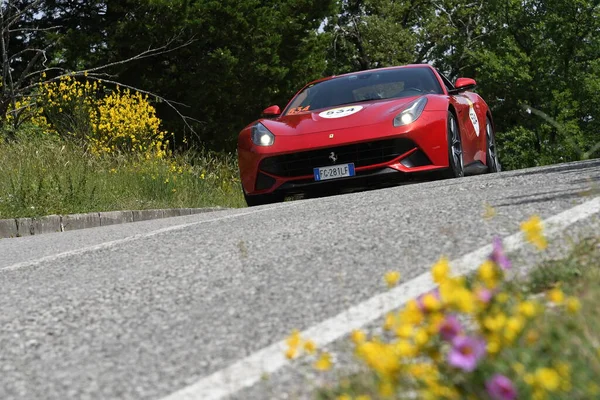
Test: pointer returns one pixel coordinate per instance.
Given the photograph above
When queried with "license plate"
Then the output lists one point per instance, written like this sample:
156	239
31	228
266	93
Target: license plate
334	171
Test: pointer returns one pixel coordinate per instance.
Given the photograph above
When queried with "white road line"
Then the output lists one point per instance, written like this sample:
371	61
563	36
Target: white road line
118	242
248	371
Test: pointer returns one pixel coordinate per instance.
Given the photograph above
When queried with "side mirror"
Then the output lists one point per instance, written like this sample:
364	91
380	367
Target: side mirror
463	84
272	111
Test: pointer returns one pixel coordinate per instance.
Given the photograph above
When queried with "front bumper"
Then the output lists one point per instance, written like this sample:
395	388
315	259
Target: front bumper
394	156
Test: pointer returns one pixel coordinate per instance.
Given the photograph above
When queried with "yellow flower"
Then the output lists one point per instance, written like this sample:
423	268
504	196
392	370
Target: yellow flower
528	309
431	302
358	336
487	274
494	323
310	347
411	314
440	271
493	345
386	389
291	353
324	362
405	331
392	278
344	397
533	230
573	305
556	296
403	348
389	322
547	378
421	337
363	397
294	340
379	357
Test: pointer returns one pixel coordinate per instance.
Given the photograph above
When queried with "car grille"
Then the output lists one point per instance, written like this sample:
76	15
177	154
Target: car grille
361	154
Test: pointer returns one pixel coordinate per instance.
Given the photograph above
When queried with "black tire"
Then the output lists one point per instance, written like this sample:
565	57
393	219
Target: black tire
456	168
262	199
491	155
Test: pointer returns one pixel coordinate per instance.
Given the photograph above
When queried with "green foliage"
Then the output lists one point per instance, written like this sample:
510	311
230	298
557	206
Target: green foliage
249	54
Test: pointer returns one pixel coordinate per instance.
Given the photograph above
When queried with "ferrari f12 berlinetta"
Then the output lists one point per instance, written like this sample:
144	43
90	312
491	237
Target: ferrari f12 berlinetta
375	127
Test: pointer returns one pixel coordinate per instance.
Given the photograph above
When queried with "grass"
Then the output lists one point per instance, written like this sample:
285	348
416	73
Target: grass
41	176
560	345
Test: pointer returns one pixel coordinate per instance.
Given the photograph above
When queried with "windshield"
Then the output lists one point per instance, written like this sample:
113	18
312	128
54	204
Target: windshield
365	86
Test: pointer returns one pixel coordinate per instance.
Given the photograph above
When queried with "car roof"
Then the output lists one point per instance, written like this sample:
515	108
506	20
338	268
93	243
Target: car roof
371	70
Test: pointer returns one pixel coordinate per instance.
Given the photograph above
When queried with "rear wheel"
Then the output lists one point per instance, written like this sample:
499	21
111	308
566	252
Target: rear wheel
456	168
493	163
262	199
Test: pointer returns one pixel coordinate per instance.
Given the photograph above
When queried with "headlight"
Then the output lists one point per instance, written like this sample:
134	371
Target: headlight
261	136
411	113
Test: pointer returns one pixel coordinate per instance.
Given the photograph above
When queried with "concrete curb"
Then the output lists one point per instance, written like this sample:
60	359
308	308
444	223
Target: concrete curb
16	227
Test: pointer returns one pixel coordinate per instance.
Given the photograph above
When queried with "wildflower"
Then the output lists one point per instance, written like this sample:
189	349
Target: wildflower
324	362
389	322
421	337
386	389
450	328
294	340
527	309
498	255
484	295
514	326
547	378
556	296
430	302
363	397
494	323
440	271
392	278
499	387
358	336
404	348
573	305
493	345
379	357
291	353
487	274
534	232
466	352
344	397
310	347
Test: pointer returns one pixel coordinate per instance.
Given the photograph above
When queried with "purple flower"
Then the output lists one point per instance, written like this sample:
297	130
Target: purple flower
501	388
466	352
498	255
484	295
450	328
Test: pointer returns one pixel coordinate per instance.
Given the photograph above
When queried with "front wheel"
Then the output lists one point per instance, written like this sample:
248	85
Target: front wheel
456	168
262	199
492	161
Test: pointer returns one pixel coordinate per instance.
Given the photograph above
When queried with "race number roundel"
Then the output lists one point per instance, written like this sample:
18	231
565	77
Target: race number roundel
340	112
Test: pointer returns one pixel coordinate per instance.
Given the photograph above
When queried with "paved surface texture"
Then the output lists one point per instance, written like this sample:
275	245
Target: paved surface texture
144	309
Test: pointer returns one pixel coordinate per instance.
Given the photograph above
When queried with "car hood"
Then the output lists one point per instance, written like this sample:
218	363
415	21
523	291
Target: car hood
317	121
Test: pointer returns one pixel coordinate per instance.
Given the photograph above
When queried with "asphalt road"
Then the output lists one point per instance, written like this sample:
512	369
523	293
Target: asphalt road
141	310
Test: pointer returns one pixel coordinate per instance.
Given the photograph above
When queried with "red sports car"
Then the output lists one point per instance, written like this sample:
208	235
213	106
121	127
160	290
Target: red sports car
381	126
